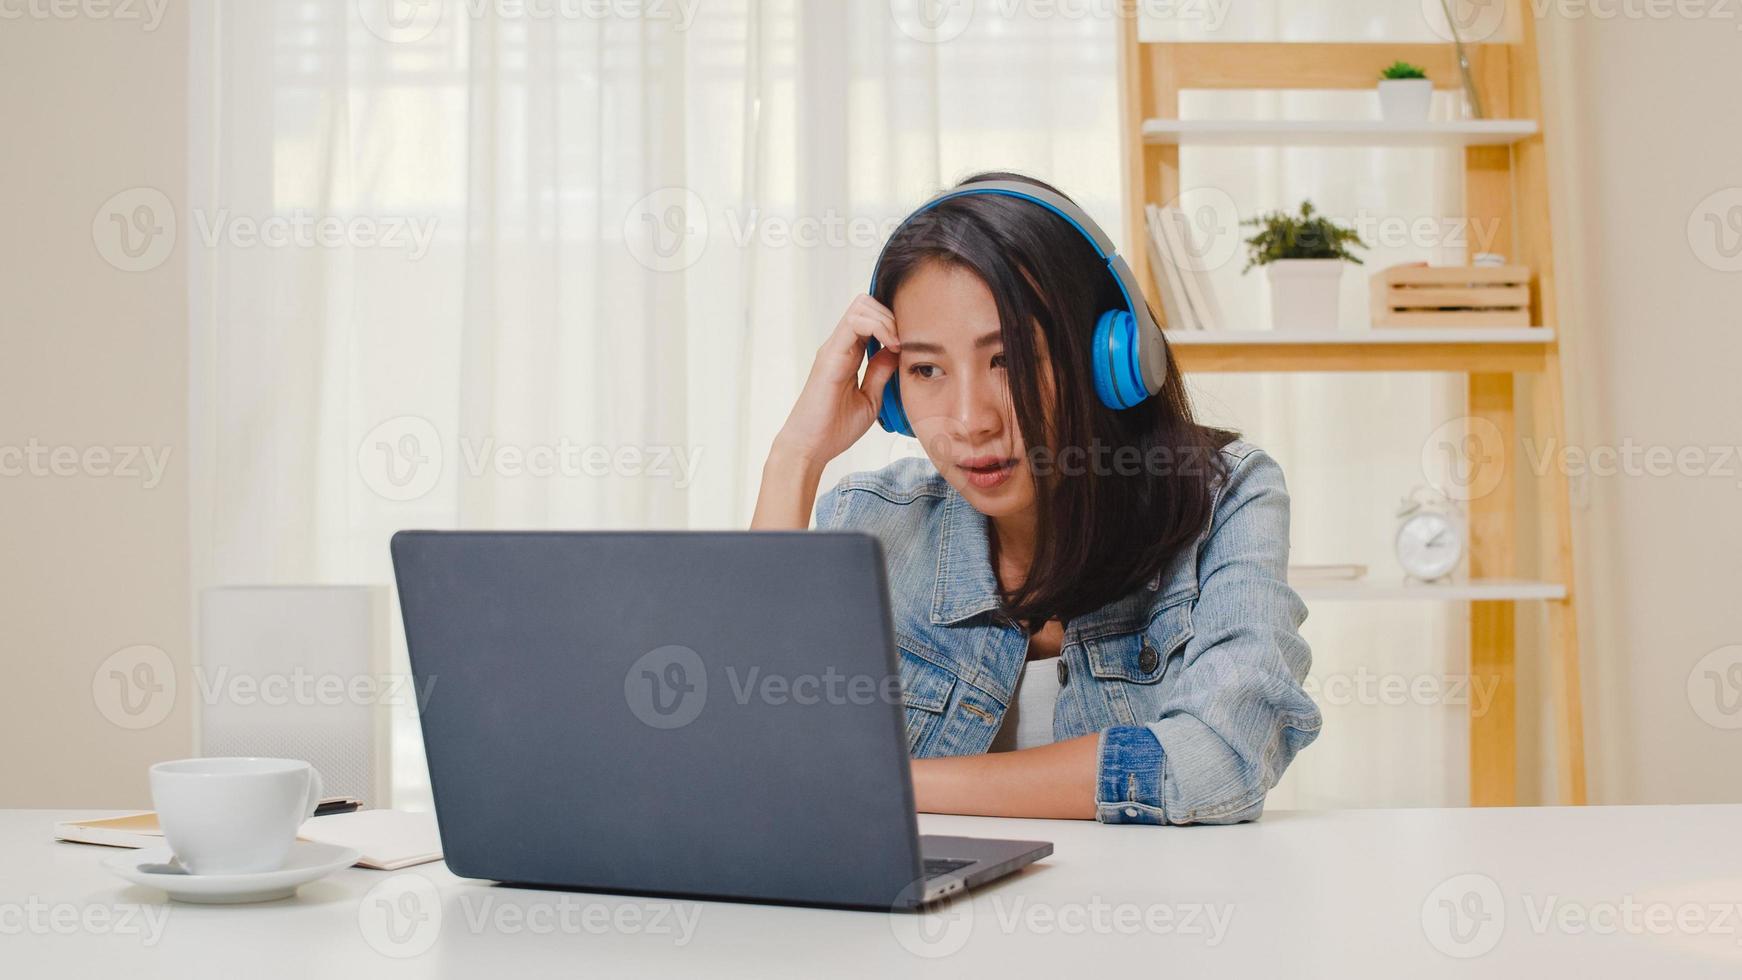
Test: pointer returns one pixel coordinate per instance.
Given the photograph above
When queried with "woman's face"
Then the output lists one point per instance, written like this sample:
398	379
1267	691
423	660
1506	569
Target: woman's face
954	391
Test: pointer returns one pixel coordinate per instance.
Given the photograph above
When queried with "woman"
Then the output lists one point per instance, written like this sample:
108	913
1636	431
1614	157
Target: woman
1090	603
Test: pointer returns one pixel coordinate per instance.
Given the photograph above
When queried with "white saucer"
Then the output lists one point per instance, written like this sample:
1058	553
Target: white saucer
156	868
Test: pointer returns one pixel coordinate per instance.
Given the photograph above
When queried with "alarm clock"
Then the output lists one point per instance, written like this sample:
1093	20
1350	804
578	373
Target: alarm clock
1430	535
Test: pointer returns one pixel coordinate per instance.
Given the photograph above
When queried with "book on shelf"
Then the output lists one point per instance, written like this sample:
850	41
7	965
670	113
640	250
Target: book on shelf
1196	279
1161	267
1188	299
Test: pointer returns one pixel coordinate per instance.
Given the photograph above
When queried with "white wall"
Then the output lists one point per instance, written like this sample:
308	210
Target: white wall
90	356
1652	127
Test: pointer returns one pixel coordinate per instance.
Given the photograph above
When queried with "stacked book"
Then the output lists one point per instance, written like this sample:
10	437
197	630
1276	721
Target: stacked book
1181	278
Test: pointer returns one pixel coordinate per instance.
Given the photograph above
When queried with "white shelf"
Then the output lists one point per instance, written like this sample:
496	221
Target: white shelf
1402	590
1353	132
1382	336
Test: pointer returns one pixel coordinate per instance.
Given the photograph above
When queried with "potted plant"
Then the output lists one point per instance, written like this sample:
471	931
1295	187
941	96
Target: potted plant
1405	93
1303	257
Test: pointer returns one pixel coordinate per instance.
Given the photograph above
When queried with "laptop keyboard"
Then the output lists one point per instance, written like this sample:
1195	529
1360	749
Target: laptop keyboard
935	867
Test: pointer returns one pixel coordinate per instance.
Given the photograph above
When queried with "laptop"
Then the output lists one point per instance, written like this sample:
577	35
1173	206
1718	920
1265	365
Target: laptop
699	714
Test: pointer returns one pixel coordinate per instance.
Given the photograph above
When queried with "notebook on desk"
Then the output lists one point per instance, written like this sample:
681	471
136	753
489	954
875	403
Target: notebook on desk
387	839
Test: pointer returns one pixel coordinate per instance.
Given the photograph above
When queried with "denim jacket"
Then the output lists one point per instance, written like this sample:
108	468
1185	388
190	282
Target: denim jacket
1193	683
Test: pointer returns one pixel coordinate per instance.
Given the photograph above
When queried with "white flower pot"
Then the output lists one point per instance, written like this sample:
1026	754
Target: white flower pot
1405	99
1303	293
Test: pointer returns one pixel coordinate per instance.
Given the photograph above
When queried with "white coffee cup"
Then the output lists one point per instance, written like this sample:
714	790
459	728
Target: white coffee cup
228	816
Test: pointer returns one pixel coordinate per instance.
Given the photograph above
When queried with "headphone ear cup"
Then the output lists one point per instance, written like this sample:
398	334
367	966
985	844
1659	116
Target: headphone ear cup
890	414
1118	378
1098	356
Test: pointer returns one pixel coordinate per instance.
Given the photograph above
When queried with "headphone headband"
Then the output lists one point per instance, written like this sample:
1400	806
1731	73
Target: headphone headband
1136	363
1058	204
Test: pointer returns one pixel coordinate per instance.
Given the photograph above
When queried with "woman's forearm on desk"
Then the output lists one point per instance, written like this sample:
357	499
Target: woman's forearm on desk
1053	781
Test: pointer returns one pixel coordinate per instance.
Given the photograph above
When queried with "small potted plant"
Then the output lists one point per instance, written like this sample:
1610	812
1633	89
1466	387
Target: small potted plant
1405	93
1303	256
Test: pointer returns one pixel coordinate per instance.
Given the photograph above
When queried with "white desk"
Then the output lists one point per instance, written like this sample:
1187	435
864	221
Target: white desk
1574	892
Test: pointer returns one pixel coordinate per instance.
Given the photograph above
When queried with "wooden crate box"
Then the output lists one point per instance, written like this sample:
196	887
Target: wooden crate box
1452	296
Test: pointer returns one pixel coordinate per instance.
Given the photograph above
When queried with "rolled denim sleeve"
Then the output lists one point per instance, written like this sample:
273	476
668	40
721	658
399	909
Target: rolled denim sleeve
1236	713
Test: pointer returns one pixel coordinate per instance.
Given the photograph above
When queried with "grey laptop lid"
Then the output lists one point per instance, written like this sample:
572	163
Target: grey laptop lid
695	713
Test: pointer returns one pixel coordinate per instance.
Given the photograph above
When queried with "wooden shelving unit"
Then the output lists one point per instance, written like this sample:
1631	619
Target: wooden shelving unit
1487	349
1399	590
1505	182
1287	132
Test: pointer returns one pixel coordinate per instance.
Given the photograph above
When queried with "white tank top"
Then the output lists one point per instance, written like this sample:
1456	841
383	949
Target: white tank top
1028	720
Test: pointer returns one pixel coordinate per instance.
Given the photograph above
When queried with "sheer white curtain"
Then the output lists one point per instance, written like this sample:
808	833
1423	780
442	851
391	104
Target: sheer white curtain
575	264
575	258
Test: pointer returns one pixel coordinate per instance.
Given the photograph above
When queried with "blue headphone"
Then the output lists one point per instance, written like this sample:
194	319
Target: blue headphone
1130	357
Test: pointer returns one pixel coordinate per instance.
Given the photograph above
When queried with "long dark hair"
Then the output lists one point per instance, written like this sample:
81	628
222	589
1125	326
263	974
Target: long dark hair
1143	488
